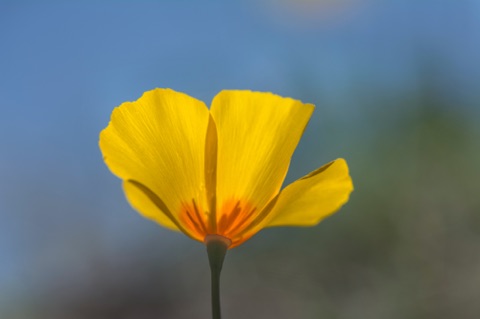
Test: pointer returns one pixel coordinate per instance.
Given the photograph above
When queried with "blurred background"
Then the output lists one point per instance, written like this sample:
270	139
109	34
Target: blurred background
397	90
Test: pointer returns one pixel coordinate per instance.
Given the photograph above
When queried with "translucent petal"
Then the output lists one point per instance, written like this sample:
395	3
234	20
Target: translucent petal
139	199
257	134
310	199
158	141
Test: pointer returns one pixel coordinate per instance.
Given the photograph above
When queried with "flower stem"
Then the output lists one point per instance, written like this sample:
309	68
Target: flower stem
216	249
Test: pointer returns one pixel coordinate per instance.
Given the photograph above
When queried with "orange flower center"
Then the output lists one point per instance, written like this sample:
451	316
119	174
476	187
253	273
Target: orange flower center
233	218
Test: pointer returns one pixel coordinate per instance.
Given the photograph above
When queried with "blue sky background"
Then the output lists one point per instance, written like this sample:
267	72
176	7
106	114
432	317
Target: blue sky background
65	65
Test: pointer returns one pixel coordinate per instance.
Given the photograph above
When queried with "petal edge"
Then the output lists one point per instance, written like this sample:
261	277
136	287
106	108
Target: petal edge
257	135
313	197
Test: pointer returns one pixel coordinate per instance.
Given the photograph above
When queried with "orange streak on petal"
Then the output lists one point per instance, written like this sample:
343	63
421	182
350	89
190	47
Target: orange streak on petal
235	216
194	219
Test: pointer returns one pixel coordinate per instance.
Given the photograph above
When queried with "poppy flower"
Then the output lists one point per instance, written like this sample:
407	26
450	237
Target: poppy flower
219	171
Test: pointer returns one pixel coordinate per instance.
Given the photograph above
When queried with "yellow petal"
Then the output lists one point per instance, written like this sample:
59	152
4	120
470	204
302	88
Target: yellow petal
312	198
139	198
158	142
257	134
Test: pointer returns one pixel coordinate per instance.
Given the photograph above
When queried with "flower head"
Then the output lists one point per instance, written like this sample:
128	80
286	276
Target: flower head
219	171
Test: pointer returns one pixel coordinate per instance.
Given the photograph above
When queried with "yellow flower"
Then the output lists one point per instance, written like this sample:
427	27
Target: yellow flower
219	171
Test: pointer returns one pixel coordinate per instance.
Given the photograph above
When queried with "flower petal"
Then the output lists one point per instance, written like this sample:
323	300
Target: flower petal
158	142
257	134
310	199
143	200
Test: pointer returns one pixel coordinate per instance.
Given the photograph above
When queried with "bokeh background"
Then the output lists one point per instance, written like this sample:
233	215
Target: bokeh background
397	89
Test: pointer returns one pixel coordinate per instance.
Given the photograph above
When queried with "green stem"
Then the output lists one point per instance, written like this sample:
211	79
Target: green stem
216	249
